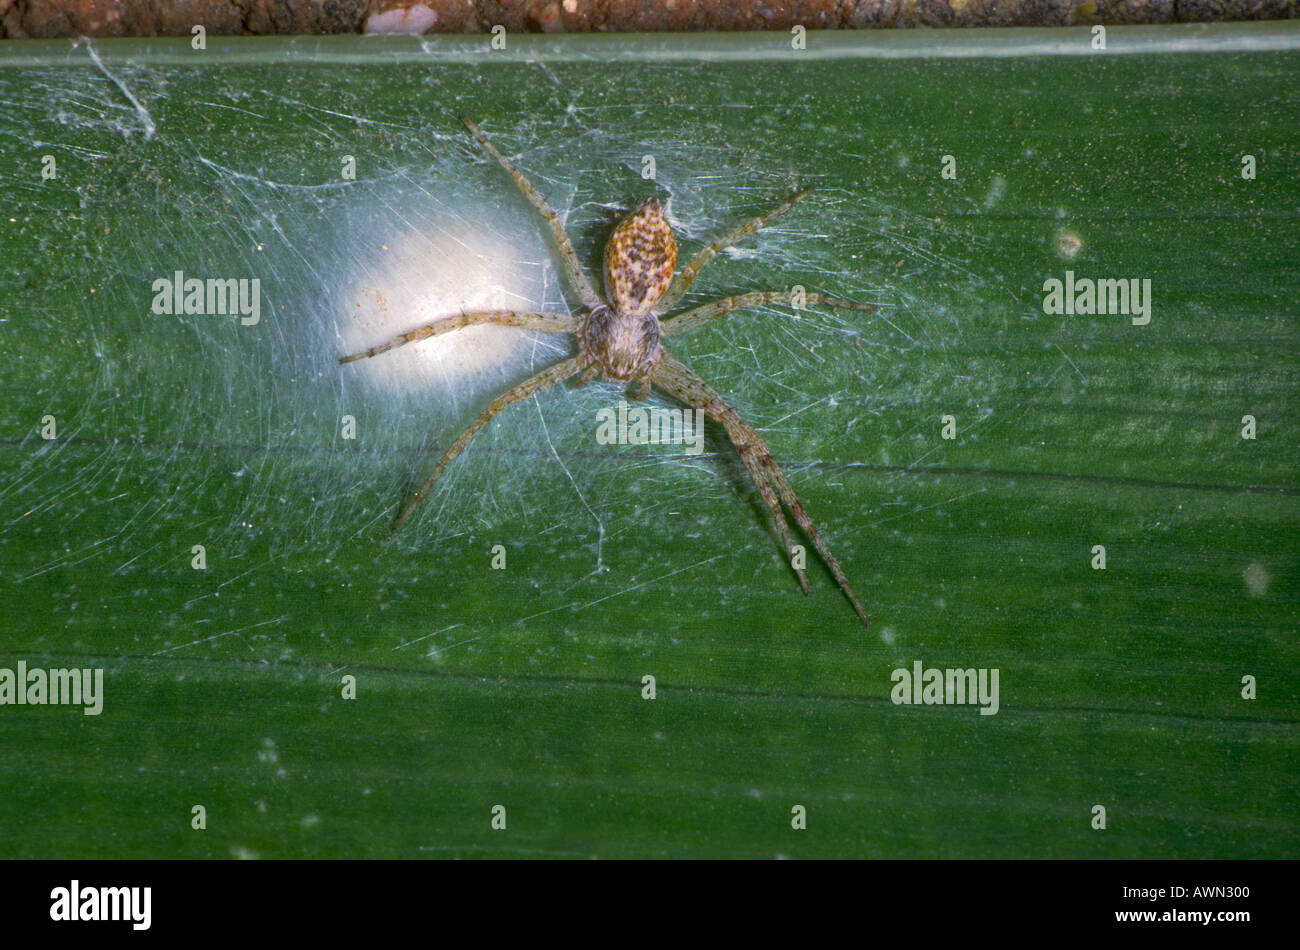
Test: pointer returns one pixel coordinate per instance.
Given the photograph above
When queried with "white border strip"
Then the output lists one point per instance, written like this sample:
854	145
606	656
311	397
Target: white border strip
823	45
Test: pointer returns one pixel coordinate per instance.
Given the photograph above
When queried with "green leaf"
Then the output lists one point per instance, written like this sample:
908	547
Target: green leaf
522	687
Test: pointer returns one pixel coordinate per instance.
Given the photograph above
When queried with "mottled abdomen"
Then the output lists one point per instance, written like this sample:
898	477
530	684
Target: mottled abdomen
640	259
623	345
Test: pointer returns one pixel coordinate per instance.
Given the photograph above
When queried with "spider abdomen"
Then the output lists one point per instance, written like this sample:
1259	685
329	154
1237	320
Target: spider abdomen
640	258
621	345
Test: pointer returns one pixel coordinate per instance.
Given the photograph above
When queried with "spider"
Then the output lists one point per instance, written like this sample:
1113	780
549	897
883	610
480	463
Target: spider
619	336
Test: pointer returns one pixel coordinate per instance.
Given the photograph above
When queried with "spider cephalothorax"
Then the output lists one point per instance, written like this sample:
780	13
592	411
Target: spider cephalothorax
619	337
621	346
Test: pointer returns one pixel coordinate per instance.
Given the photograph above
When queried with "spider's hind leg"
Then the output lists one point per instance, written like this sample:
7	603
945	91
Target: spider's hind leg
686	276
689	320
545	322
568	257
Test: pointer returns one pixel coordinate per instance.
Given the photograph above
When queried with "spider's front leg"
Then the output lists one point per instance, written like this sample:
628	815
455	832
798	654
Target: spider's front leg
677	380
529	387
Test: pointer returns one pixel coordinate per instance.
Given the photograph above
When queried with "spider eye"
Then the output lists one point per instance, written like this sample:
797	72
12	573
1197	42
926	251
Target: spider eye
640	259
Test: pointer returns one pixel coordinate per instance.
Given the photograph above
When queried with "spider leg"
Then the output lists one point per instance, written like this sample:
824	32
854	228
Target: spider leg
688	273
568	257
689	320
529	387
703	398
546	322
679	381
